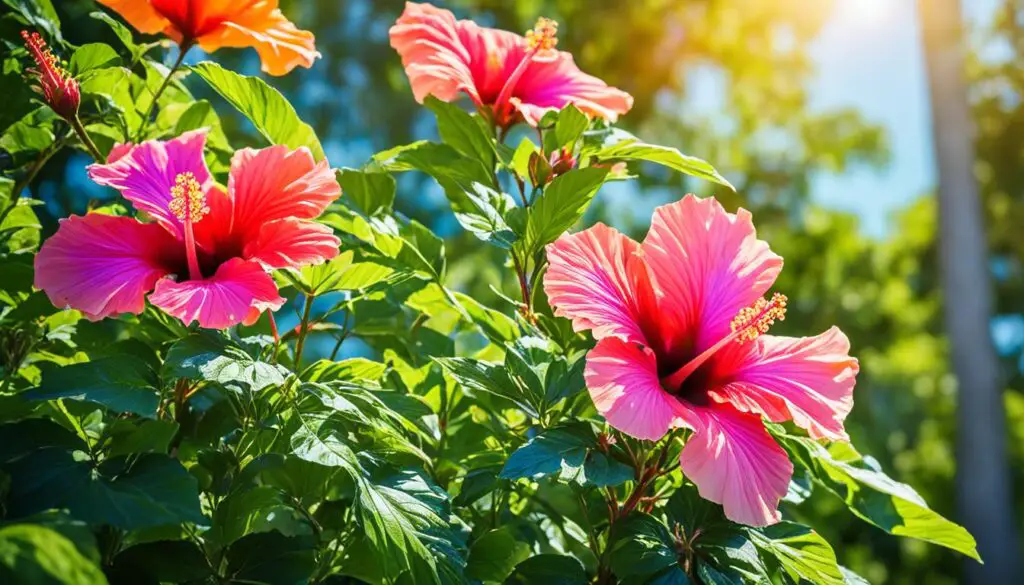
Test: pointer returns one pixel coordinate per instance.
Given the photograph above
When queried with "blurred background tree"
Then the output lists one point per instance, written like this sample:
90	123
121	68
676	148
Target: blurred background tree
754	58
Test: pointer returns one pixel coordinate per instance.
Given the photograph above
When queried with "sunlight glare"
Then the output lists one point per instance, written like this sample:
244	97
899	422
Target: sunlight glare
869	11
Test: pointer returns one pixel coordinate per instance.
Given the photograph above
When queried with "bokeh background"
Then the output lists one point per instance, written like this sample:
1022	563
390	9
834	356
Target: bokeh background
819	111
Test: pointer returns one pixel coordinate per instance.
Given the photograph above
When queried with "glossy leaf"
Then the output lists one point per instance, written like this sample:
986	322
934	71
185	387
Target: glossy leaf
266	108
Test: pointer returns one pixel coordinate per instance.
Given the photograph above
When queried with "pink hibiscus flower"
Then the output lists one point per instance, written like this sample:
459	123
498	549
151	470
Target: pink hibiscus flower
680	323
510	76
207	255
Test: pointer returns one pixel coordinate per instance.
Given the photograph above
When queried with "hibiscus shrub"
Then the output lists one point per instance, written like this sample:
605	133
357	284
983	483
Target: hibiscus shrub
626	417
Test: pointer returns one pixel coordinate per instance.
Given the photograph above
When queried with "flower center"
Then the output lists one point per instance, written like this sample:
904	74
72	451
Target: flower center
540	44
543	37
188	204
750	323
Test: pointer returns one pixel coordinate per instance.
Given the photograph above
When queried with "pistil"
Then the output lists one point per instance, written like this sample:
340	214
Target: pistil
541	40
188	204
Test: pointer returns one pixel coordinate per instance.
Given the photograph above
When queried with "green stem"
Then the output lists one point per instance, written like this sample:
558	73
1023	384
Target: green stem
524	286
341	338
183	48
303	327
90	146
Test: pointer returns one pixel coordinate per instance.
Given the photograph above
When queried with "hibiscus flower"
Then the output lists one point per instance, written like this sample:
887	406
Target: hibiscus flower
213	24
207	254
509	76
680	322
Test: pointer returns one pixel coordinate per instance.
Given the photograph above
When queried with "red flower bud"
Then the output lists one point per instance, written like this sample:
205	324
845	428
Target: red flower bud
58	88
562	161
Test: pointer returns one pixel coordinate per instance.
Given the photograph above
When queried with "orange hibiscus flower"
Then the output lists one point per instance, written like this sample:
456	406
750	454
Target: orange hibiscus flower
213	24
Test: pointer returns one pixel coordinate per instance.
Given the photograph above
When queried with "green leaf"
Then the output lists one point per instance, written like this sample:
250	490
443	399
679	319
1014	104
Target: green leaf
549	569
212	357
623	146
551	451
852	578
266	108
40	14
121	384
152	490
353	369
397	520
801	552
31	434
479	376
93	56
497	326
641	545
462	131
495	555
561	205
120	30
372	192
35	555
713	576
272	559
162	561
469	187
125	437
29	136
339	273
875	497
321	439
259	509
568	129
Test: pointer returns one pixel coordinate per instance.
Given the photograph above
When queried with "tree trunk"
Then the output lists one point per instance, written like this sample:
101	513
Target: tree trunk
984	496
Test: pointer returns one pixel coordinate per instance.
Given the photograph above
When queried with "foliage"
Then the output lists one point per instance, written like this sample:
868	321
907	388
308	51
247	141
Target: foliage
459	447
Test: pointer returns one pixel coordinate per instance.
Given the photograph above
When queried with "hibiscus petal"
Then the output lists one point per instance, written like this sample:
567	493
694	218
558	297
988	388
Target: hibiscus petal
436	59
597	278
145	174
708	264
735	462
139	13
281	45
552	84
623	381
275	183
228	298
292	243
104	265
808	379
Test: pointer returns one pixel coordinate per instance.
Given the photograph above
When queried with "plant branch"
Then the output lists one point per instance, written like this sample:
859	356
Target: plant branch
303	330
183	48
90	146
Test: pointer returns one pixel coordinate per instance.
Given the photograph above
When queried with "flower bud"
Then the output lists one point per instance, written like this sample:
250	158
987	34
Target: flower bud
562	162
58	88
540	170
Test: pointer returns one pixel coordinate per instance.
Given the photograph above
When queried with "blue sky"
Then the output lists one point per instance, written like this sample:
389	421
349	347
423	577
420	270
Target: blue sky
869	57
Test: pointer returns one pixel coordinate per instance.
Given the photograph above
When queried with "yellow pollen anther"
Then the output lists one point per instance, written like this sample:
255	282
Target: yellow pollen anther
756	319
544	36
187	198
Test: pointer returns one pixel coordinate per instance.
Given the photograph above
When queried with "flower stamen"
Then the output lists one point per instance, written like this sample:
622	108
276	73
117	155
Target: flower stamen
755	320
750	323
543	37
188	204
187	198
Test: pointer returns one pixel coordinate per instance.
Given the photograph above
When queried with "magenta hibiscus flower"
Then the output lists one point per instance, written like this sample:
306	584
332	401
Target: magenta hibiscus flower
207	256
680	323
510	76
